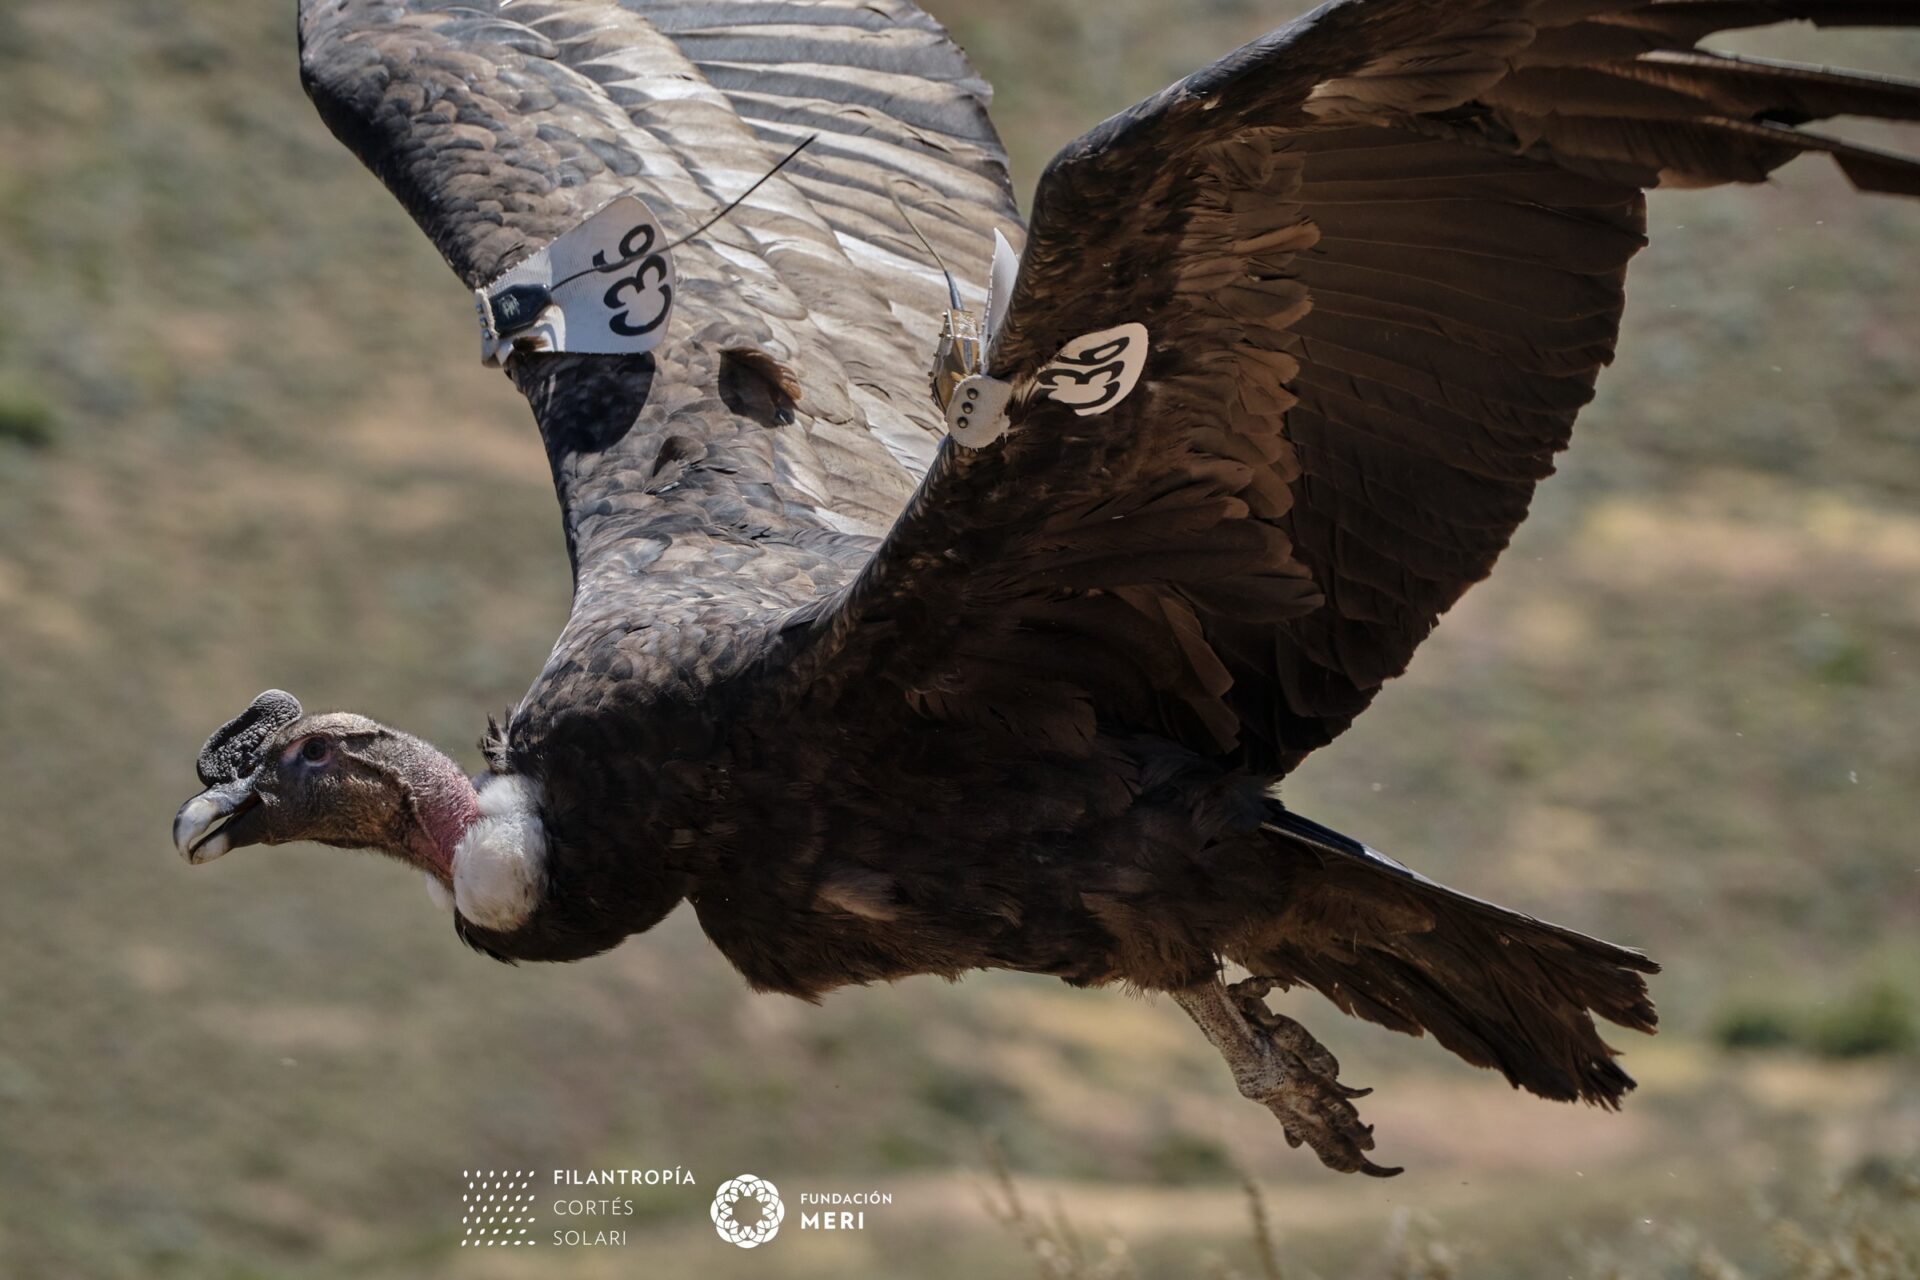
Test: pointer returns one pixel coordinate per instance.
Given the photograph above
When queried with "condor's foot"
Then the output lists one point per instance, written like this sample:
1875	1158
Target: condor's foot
1279	1065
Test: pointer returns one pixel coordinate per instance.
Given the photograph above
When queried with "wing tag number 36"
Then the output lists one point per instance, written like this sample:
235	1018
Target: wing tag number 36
1094	373
615	287
636	304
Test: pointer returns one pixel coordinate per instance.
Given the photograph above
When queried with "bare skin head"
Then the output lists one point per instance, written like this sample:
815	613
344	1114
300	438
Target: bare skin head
274	776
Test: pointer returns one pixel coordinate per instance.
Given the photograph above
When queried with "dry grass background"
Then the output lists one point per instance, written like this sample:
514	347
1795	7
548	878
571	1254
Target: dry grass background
244	442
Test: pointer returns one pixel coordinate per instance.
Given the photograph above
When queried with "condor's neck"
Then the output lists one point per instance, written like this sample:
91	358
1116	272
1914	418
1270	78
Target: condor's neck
445	806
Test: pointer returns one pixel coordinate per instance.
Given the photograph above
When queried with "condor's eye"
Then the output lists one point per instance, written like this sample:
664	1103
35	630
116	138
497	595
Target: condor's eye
316	750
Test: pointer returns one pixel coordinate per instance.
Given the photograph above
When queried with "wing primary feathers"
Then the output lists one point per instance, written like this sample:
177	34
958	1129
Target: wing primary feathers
1781	92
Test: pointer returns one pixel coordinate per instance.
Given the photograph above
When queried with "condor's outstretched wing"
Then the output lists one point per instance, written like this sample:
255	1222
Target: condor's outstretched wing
1376	263
501	124
745	467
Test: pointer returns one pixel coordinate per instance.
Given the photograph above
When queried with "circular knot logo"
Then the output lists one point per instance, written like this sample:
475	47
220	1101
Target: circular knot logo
736	1222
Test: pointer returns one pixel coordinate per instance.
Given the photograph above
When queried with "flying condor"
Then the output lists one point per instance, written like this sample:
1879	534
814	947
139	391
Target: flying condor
886	682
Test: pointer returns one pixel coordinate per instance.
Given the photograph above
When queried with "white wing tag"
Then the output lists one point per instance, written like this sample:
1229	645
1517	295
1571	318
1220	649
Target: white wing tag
604	288
1096	372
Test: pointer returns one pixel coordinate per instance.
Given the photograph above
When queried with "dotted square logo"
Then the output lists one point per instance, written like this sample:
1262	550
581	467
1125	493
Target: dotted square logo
496	1210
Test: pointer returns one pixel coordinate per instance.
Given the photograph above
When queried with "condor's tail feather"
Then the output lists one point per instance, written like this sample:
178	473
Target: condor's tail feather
1499	989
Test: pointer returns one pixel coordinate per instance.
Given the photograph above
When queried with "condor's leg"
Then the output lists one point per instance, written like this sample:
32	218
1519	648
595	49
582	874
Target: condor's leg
1277	1064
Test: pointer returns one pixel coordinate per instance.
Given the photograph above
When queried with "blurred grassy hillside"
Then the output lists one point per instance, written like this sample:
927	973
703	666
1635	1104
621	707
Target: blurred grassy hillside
244	442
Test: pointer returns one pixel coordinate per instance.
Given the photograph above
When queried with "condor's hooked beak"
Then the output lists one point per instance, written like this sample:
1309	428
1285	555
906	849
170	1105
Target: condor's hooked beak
203	829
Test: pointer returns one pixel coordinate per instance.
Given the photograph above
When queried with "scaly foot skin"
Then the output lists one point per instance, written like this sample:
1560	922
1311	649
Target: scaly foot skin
1293	1076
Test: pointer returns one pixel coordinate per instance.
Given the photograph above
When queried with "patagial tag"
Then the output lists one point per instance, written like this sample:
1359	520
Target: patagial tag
603	288
1096	372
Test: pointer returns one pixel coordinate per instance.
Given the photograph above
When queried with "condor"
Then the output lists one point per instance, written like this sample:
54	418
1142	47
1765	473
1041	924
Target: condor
877	703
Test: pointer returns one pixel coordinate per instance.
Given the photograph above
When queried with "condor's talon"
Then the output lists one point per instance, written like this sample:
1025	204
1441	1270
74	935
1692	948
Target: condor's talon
1277	1063
1250	996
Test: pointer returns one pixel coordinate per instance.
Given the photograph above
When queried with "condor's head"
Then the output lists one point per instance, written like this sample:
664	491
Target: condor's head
275	775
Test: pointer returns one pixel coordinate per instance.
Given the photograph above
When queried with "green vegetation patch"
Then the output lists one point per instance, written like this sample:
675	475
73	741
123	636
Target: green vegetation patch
1877	1018
26	418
